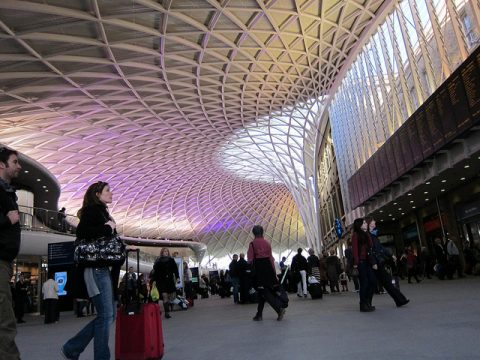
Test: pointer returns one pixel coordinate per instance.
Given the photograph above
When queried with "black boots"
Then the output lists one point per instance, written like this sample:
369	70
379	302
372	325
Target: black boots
366	307
166	308
257	317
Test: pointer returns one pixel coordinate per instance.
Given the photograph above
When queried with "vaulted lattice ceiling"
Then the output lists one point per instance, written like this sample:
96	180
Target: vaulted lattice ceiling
202	114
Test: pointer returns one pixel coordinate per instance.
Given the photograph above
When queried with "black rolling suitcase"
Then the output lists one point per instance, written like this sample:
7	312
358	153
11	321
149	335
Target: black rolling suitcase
315	290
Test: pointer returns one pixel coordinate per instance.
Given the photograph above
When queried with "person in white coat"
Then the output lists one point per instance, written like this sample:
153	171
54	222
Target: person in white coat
50	299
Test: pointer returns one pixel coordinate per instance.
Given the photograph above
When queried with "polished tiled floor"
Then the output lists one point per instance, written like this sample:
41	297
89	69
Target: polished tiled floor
441	322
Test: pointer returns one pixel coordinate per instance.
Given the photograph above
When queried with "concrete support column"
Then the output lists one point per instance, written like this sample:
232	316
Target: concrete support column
420	229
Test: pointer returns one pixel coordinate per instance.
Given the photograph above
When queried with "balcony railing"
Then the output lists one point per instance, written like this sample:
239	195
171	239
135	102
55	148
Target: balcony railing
33	218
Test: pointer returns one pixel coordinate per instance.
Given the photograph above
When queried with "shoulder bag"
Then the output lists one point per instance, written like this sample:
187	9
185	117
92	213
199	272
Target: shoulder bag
104	251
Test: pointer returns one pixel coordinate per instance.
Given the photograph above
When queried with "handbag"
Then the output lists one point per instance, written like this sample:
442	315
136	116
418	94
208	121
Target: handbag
104	251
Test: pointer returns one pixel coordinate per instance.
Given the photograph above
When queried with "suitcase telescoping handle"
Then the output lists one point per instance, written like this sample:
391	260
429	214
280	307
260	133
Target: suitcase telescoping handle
135	307
284	274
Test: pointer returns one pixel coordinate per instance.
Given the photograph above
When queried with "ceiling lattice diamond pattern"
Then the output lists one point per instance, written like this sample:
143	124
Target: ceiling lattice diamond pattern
161	98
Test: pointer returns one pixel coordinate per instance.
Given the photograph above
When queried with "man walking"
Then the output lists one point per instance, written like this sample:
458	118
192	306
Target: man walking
234	277
9	247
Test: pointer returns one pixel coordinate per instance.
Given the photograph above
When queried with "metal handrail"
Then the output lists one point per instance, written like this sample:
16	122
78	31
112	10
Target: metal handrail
33	218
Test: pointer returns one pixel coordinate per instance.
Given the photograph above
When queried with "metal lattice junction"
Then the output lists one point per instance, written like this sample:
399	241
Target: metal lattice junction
202	114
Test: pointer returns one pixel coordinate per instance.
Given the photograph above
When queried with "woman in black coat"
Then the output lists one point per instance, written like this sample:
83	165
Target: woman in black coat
165	275
97	283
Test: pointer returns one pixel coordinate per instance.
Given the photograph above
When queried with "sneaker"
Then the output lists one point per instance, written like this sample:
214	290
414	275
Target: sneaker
257	318
62	351
403	303
281	313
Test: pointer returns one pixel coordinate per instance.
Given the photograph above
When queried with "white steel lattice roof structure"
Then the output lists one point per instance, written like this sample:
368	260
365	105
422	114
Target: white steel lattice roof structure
203	115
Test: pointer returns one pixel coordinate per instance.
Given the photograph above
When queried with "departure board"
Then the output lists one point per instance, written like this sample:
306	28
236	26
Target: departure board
385	167
445	113
458	99
452	109
370	178
398	154
374	172
413	138
471	82
423	132
408	160
434	125
380	172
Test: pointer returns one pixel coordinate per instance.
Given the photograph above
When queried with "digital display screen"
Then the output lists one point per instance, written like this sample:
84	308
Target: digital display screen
61	280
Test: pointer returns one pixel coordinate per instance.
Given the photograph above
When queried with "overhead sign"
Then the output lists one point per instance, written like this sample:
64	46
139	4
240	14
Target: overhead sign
60	253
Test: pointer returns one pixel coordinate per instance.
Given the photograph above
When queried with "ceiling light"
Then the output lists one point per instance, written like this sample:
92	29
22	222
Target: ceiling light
427	199
428	183
399	208
26	171
444	181
393	218
425	192
443	190
389	214
394	203
46	190
44	186
466	166
414	207
403	213
46	201
381	211
411	201
409	194
462	178
39	179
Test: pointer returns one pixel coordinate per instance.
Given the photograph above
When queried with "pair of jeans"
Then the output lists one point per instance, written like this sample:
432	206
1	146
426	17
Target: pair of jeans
8	323
368	282
99	328
236	288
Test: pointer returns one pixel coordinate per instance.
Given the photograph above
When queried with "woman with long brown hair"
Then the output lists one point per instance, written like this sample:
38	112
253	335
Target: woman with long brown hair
165	274
97	283
364	262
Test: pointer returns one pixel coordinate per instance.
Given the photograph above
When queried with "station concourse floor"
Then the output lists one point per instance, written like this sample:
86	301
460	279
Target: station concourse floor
442	321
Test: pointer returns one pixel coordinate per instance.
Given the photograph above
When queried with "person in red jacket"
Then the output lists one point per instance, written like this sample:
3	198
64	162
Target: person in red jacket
260	255
364	262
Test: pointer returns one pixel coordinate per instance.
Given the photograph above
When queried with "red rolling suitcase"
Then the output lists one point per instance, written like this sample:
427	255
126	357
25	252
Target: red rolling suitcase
138	331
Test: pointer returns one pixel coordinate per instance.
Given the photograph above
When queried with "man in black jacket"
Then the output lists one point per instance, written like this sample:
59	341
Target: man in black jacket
9	247
299	269
234	276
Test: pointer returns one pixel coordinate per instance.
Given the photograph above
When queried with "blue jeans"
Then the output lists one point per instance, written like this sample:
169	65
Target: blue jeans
99	328
236	287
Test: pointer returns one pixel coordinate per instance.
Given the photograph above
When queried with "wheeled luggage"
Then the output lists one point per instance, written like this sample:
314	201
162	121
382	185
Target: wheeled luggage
138	330
280	293
139	336
315	290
